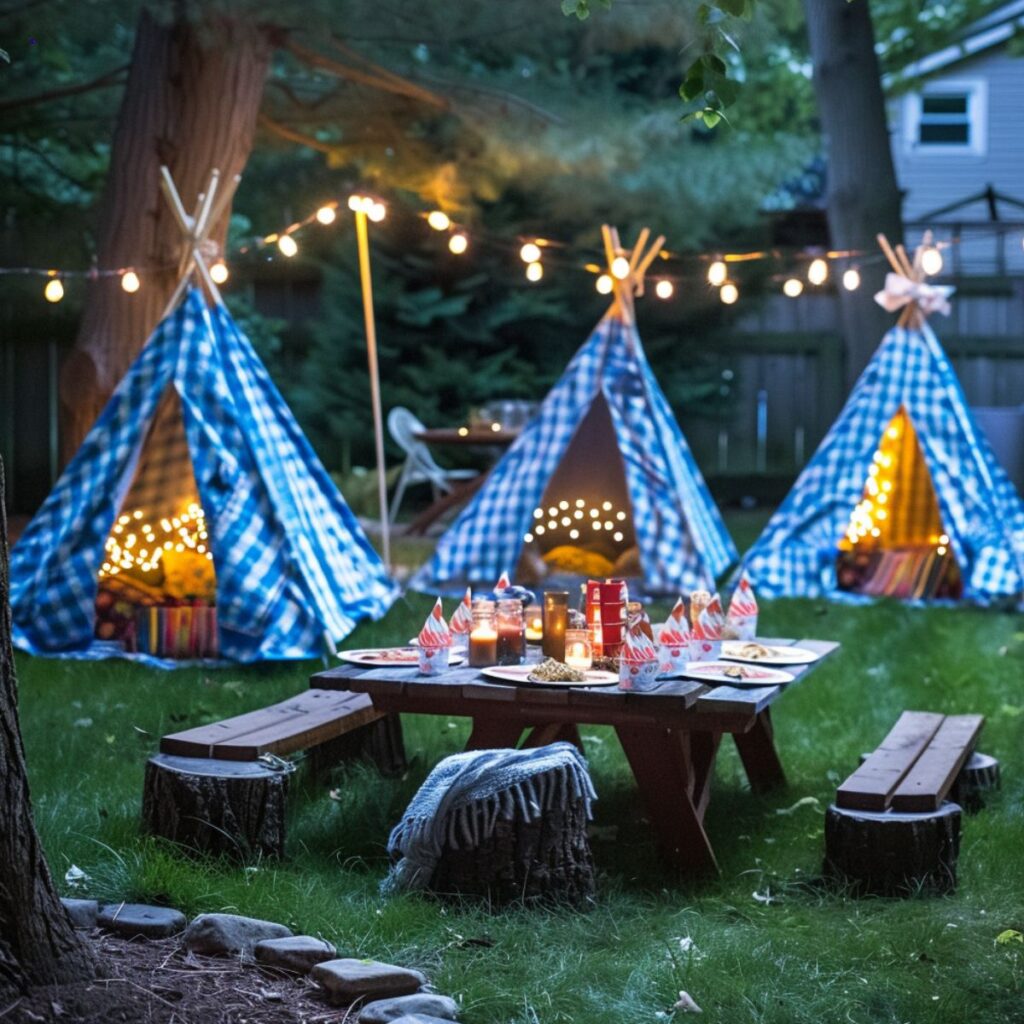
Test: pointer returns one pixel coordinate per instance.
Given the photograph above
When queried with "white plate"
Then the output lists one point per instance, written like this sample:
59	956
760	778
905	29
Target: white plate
714	672
779	655
391	657
521	673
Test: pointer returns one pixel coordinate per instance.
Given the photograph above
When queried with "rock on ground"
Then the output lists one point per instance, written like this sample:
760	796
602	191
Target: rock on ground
347	980
420	1018
83	913
230	934
298	953
136	919
419	1007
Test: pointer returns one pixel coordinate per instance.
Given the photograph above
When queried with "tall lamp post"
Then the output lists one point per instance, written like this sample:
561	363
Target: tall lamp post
366	208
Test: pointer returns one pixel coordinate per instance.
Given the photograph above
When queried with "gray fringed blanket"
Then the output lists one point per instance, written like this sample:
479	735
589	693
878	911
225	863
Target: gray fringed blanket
466	794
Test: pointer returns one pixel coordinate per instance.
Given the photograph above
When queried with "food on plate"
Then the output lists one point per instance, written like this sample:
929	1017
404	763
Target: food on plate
392	655
551	671
753	652
606	663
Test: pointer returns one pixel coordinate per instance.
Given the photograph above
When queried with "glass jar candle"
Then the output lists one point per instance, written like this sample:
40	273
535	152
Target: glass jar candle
556	612
511	628
483	637
578	650
534	624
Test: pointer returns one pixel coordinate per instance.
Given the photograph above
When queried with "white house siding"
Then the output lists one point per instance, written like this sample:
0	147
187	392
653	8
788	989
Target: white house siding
934	179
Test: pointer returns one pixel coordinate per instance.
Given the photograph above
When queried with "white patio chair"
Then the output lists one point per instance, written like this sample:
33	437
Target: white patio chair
419	466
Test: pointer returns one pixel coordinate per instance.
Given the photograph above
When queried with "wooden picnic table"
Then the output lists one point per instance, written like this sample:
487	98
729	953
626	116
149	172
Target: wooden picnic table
670	735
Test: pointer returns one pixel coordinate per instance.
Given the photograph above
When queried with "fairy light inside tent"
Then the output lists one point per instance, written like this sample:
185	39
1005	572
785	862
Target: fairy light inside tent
898	513
136	546
579	535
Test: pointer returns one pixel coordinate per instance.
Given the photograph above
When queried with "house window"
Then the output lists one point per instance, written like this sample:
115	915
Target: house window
947	117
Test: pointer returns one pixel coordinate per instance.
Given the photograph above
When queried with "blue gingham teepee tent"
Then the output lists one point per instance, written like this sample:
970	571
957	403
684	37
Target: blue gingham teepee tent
197	413
981	512
679	535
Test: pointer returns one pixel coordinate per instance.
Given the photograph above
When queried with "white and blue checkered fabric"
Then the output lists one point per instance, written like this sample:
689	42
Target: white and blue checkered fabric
292	563
682	540
981	511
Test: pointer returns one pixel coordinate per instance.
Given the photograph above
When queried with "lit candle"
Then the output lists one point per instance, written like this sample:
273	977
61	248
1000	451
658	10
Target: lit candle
534	625
483	646
577	650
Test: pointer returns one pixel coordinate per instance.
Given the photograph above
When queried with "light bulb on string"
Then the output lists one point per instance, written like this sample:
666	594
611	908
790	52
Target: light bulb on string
729	293
717	274
439	220
620	268
377	212
287	246
851	279
458	243
817	272
931	260
664	289
54	290
793	287
530	253
130	282
326	214
355	203
219	272
605	284
534	271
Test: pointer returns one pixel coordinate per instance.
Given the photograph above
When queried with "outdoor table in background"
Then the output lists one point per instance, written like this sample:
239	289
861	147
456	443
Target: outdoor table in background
479	437
670	735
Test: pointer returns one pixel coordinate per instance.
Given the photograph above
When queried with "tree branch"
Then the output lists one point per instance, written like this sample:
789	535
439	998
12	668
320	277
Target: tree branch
284	132
104	81
377	78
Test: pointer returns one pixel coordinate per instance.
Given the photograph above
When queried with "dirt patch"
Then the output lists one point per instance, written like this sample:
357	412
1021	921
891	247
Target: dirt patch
157	982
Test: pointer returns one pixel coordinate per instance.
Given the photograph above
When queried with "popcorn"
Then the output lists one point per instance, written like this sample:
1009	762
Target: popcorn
706	644
435	643
638	661
674	641
741	621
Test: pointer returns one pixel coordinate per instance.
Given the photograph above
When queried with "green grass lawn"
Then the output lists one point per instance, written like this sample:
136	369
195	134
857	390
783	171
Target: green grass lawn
792	953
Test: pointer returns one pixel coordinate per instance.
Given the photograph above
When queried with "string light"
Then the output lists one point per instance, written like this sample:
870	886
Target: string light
54	290
620	268
664	289
439	220
729	293
558	520
817	272
530	253
605	284
288	246
377	212
219	272
851	279
458	243
327	214
793	287
717	274
931	260
130	282
534	271
135	544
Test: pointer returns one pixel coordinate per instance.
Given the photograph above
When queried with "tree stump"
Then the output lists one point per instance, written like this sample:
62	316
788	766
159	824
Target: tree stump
893	854
216	807
979	775
547	860
380	742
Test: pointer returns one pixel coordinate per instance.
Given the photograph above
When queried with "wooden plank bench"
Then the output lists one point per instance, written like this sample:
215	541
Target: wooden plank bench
891	829
209	791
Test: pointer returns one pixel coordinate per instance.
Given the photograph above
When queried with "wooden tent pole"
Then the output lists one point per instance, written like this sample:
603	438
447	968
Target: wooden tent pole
363	241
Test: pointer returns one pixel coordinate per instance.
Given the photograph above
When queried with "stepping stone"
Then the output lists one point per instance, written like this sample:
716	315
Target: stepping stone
347	980
298	953
133	920
83	913
230	934
419	1007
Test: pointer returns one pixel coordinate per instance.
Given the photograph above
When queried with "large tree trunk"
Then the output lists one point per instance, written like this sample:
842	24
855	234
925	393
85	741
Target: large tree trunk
863	195
191	102
38	944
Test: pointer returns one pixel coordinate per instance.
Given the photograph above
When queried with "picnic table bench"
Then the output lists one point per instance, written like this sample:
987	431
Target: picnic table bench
670	735
221	787
892	828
